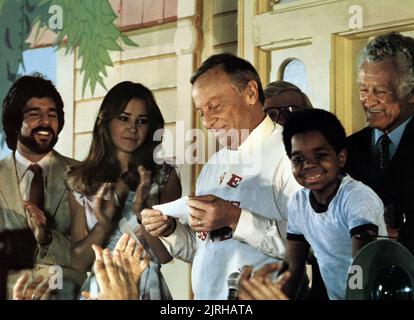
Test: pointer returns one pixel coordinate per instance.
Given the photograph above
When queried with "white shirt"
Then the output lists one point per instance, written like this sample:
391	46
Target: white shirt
25	176
261	183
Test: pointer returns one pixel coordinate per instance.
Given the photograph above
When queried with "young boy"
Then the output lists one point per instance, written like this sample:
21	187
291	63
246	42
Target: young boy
334	214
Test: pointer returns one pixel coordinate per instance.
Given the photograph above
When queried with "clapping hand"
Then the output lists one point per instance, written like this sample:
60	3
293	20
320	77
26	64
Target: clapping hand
36	219
104	205
127	248
260	286
35	289
118	274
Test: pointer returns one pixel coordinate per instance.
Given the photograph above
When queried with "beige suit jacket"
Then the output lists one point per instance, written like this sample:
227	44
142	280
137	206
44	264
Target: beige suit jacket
56	208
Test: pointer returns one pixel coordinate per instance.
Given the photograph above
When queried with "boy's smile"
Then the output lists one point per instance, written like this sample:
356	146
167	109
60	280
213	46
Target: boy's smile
315	164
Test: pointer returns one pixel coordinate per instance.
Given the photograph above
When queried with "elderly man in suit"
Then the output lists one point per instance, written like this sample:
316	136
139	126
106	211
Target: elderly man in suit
382	154
33	193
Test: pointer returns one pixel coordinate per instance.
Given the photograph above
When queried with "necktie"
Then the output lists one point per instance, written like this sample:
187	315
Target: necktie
37	196
383	151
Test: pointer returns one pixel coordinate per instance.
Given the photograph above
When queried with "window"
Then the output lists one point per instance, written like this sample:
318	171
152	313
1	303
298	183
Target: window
294	71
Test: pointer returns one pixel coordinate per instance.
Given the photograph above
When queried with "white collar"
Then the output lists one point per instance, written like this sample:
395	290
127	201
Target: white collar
259	134
22	164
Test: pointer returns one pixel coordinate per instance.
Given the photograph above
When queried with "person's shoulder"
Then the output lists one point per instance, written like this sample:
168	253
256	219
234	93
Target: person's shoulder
409	132
360	135
218	157
357	192
410	124
299	198
275	134
298	208
301	192
349	185
6	161
66	161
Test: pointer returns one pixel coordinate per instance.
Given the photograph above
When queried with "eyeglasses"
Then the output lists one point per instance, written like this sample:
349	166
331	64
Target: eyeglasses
281	114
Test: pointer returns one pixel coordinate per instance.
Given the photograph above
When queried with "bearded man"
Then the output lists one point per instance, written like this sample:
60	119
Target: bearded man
33	194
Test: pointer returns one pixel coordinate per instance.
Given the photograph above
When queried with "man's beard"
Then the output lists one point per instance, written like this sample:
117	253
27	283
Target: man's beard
31	143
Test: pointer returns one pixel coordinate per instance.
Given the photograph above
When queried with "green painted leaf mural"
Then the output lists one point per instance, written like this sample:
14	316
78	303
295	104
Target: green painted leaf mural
87	25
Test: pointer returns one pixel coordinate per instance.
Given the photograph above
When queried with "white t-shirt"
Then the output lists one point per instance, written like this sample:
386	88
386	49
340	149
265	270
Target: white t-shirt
329	233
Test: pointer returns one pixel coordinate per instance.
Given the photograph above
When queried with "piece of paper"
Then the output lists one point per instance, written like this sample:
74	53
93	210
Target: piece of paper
176	209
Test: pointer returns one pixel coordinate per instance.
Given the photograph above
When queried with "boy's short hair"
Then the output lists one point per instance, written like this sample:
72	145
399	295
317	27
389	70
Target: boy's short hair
315	120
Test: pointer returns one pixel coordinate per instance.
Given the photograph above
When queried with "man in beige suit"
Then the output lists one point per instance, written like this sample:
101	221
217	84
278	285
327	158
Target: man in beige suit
33	193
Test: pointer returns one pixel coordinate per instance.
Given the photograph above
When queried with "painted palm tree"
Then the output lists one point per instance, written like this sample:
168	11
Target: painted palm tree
87	25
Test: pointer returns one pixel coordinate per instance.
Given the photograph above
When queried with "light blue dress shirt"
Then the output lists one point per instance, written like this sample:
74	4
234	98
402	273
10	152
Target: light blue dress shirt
395	136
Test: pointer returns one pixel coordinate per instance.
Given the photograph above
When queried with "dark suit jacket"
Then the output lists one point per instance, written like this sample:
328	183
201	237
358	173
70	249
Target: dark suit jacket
396	186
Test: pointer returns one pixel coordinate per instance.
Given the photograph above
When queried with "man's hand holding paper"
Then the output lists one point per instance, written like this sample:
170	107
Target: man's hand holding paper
175	209
160	221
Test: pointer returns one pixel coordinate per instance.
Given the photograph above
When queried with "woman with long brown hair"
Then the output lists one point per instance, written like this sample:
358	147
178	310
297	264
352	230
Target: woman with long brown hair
118	178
